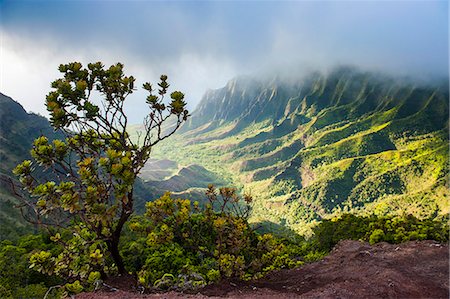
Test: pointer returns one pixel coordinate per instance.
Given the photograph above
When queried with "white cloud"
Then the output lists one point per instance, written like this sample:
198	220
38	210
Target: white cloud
24	74
202	46
29	66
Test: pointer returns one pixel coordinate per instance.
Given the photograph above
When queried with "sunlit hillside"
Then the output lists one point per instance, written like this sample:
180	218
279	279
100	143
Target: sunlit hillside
344	142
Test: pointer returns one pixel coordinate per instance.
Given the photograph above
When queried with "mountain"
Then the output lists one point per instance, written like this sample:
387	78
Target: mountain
18	129
189	182
312	147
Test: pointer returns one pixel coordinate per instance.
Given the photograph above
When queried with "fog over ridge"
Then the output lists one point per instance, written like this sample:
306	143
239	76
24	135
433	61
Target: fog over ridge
202	45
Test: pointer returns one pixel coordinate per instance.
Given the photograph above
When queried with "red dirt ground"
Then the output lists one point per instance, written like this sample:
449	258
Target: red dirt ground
352	270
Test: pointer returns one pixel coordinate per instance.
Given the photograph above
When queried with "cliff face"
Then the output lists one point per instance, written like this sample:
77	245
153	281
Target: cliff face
246	100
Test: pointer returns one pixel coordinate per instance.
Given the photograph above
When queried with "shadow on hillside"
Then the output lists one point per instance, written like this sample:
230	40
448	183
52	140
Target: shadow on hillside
276	229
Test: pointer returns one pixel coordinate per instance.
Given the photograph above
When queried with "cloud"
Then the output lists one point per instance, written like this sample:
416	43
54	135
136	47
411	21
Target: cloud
402	38
25	73
201	45
28	67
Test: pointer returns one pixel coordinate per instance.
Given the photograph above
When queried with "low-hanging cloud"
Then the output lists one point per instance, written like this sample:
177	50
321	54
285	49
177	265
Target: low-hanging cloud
201	45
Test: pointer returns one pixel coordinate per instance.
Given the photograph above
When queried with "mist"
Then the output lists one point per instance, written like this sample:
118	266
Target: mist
202	45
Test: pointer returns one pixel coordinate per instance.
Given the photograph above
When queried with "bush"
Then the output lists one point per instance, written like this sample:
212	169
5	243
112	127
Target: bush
170	258
191	247
81	257
17	279
176	245
377	229
376	236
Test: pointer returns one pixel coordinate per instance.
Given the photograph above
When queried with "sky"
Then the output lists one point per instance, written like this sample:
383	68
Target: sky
201	45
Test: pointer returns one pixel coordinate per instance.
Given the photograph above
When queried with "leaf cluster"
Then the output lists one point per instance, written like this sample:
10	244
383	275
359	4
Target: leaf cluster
176	237
17	279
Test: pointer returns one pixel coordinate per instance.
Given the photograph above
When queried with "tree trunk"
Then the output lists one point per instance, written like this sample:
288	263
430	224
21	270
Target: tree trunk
113	247
113	244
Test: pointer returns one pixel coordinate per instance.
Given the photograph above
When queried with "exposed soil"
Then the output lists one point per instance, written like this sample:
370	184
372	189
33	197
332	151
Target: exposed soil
352	270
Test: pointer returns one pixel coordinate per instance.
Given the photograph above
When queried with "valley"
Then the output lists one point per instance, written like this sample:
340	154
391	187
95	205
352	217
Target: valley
341	156
224	149
310	149
306	150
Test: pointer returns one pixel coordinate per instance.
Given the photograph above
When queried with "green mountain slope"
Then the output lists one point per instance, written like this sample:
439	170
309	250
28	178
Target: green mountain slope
312	148
18	129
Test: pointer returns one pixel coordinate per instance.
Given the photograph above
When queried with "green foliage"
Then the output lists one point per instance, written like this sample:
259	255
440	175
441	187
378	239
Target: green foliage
94	169
17	278
178	246
165	260
37	264
199	246
74	288
376	236
83	257
377	229
12	224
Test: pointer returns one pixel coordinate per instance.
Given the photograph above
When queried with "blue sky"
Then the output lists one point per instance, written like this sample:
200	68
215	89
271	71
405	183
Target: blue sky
200	45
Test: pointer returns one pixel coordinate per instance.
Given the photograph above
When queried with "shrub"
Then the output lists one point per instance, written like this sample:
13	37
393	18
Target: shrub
17	278
376	236
191	247
377	229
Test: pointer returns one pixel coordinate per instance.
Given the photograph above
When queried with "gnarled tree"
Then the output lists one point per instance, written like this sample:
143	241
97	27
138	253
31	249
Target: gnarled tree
94	169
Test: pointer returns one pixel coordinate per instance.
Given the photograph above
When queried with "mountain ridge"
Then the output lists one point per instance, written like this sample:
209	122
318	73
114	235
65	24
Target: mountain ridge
325	143
18	130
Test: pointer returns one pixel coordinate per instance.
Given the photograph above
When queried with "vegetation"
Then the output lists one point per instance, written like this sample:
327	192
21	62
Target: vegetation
194	246
92	171
374	229
176	245
346	156
18	130
346	142
17	279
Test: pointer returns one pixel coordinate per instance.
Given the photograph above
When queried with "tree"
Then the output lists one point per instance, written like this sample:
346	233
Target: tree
90	175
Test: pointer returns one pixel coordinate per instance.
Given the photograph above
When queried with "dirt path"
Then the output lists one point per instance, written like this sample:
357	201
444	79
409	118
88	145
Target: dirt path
352	270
